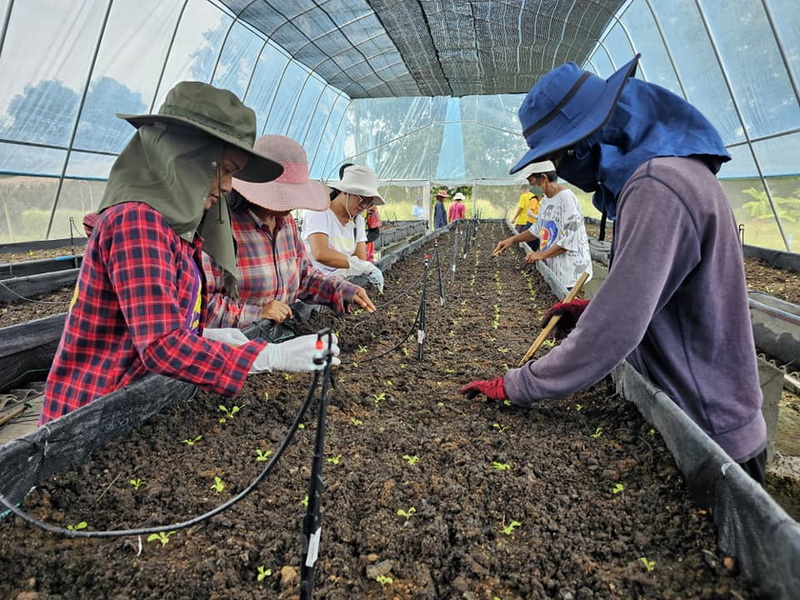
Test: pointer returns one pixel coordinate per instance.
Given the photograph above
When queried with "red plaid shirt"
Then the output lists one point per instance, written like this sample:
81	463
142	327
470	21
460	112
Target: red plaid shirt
271	268
133	313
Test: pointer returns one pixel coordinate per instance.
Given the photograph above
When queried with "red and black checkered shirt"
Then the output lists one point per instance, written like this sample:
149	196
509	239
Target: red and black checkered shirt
271	267
136	308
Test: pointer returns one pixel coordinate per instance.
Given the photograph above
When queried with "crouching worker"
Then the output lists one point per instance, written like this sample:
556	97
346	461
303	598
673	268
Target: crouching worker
138	305
675	301
275	269
337	237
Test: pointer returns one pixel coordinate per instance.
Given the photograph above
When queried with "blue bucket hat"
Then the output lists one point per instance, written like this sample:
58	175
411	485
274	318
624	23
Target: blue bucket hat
567	105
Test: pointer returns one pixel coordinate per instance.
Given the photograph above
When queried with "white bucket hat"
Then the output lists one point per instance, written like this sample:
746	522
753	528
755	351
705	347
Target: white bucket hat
360	181
459	196
293	189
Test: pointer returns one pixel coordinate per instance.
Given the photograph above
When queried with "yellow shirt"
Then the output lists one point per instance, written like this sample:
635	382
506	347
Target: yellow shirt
523	204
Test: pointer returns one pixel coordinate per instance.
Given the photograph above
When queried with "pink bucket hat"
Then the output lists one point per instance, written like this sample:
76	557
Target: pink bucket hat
293	189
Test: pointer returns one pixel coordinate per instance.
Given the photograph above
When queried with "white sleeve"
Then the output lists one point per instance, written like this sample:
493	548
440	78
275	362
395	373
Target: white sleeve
361	229
315	222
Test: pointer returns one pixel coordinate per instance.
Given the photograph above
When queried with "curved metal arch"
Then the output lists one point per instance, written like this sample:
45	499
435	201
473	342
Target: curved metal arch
6	21
167	55
77	121
275	95
325	128
726	77
667	50
781	49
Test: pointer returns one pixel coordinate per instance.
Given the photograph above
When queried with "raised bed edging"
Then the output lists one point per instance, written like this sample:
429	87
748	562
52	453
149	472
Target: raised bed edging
19	288
35	267
27	350
776	258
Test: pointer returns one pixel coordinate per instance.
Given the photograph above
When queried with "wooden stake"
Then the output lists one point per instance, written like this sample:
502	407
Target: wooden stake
553	320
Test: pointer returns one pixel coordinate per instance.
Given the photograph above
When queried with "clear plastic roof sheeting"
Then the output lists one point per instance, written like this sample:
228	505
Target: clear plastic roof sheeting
425	92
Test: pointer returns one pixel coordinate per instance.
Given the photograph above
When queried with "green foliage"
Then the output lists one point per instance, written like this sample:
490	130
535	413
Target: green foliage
500	428
618	488
78	527
384	580
648	564
229	414
263	573
411	459
218	485
501	466
136	483
263	455
509	529
406	513
597	432
334	460
161	536
192	441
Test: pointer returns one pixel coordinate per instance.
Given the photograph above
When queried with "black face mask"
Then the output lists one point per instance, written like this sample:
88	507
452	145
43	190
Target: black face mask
579	166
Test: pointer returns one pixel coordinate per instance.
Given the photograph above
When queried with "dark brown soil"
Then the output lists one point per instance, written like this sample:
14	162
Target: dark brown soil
478	467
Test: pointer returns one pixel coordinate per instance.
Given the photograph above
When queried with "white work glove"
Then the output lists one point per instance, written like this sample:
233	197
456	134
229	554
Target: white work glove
363	267
296	355
228	335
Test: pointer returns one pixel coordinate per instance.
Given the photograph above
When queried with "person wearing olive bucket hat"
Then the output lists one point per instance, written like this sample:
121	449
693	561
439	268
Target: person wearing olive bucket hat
675	301
138	305
276	270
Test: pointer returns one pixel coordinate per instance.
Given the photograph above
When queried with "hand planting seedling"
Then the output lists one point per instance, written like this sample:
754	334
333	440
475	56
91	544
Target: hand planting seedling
509	529
218	485
501	466
192	441
161	536
500	428
229	414
648	564
136	483
263	455
406	513
384	580
334	460
78	527
597	432
618	487
263	573
411	460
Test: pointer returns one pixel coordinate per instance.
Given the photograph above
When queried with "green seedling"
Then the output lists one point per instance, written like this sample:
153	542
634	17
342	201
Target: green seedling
301	426
362	349
287	377
506	402
578	407
266	396
411	459
450	371
378	398
78	527
549	343
334	460
652	432
648	564
355	364
192	441
384	580
506	367
389	382
406	513
500	428
597	432
229	414
404	350
502	350
341	379
263	573
509	529
161	536
218	485
263	455
618	487
440	404
355	421
304	501
136	483
501	466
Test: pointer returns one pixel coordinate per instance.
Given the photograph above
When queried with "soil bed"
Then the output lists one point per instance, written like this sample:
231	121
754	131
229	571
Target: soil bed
477	467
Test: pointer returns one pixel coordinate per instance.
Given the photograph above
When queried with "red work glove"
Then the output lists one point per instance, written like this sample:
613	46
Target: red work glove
570	313
493	389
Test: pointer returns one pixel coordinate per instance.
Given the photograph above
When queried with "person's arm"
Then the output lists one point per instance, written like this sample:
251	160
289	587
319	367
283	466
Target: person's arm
323	253
361	250
516	214
222	310
143	271
503	245
650	263
552	251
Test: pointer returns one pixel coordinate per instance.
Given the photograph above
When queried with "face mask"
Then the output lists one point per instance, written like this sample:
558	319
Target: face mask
580	166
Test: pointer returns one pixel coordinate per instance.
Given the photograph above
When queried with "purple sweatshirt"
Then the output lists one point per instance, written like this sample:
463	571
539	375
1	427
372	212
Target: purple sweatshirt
674	304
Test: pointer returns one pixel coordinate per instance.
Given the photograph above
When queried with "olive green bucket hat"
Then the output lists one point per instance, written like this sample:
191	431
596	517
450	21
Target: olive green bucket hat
220	114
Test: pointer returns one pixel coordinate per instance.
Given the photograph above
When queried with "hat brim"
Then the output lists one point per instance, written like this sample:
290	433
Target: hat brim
279	196
259	169
377	199
595	118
